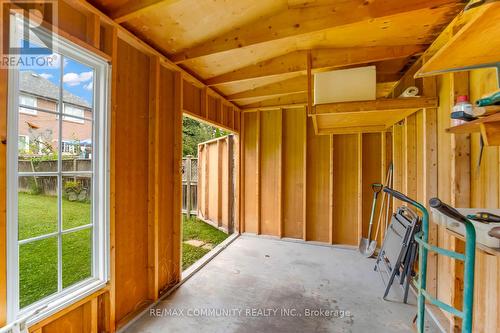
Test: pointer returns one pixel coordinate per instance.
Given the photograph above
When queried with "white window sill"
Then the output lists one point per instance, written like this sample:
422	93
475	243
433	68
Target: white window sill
59	302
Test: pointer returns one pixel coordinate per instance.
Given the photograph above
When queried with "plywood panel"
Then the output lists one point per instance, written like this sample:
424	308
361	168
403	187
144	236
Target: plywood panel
294	135
372	165
191	98
345	188
270	159
250	212
132	171
73	321
318	180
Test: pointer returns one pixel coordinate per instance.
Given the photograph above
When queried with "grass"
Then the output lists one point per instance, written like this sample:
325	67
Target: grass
196	229
38	259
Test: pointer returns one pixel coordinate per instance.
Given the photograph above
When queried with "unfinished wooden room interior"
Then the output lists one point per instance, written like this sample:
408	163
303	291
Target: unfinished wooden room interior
357	187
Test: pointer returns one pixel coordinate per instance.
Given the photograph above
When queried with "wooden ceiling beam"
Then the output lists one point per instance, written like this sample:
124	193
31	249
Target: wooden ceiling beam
304	20
321	59
134	8
383	104
290	86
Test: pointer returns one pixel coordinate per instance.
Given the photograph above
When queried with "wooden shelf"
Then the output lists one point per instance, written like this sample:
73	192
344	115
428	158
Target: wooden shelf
366	116
489	127
475	45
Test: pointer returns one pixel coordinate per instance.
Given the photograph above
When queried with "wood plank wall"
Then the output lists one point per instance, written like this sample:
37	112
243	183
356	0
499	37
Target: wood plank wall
435	163
149	95
217	173
301	185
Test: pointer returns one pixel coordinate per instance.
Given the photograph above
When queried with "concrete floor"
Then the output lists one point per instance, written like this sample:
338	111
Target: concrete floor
266	285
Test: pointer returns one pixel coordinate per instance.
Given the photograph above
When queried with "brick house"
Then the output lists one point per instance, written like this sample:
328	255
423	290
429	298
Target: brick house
39	130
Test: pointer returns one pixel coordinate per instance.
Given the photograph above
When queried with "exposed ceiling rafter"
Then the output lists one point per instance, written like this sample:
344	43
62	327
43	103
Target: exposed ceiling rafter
133	9
304	20
321	59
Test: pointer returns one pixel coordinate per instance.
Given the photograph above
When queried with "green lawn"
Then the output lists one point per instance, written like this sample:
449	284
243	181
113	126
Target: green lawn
38	260
196	229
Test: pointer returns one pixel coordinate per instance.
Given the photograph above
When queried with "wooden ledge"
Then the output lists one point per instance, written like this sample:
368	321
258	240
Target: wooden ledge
385	104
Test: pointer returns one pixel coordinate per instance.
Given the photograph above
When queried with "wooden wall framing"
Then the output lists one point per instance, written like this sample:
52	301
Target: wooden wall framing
148	97
301	185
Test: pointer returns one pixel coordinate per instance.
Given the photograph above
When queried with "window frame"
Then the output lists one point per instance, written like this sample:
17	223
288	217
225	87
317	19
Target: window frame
73	118
31	109
100	195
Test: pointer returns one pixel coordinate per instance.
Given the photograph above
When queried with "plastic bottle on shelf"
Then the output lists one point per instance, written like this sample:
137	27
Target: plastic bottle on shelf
462	111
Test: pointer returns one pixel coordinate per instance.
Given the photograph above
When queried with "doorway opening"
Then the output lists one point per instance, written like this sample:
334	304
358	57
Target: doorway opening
209	192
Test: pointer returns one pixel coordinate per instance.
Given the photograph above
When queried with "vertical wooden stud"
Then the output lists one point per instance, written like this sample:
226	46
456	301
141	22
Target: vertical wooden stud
330	193
360	186
304	207
257	178
93	30
219	183
153	175
177	190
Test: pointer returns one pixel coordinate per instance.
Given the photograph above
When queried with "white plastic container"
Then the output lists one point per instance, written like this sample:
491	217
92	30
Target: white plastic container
482	229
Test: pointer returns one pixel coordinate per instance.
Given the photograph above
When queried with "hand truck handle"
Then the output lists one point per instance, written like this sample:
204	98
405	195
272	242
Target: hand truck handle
447	210
400	196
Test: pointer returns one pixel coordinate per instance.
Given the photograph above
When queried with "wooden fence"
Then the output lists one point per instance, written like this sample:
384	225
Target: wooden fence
189	185
217	179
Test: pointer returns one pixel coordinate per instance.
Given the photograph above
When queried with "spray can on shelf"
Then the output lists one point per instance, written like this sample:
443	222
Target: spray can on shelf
462	111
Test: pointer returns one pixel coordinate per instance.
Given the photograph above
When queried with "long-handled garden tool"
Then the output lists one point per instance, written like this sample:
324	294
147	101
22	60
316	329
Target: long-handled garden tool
385	203
364	243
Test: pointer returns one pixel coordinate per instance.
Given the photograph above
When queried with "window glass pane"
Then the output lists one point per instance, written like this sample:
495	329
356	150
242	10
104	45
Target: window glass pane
39	88
76	203
78	84
37	206
38	142
77	145
76	256
37	270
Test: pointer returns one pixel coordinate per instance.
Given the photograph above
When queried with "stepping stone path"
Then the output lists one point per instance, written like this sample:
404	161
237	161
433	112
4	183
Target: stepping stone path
208	246
195	242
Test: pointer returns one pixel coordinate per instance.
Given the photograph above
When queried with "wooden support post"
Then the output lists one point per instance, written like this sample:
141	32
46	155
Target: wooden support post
257	178
153	176
410	153
177	184
460	192
207	183
188	173
230	184
304	204
242	174
281	228
112	45
219	183
330	194
93	30
360	186
430	179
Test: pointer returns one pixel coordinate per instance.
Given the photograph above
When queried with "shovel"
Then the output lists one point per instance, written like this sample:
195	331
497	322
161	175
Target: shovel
386	202
365	242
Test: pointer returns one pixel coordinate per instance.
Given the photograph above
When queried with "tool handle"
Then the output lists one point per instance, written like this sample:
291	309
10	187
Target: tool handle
447	210
484	217
376	187
400	196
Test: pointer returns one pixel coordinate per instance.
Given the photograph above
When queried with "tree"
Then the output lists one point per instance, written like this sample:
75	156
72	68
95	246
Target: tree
195	132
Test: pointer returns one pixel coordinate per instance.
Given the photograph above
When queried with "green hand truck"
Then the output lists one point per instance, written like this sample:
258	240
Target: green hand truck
468	258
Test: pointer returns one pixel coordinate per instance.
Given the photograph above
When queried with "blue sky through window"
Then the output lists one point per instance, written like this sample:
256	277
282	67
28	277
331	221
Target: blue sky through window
78	78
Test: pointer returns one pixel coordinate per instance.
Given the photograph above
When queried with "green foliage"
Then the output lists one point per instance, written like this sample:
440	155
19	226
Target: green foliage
195	132
33	187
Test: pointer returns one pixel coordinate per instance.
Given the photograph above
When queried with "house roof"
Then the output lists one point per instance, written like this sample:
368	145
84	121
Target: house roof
34	84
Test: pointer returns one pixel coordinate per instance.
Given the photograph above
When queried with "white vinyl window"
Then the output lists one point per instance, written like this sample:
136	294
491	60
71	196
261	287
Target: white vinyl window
26	103
76	114
57	231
